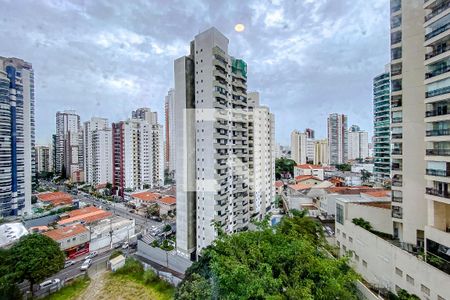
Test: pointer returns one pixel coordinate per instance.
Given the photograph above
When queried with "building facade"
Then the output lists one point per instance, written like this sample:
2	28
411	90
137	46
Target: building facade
213	144
170	132
68	146
382	123
17	158
358	143
321	152
90	129
337	138
43	159
299	147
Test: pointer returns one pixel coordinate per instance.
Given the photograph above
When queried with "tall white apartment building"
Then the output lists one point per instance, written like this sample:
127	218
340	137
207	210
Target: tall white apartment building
68	149
261	136
213	145
337	138
358	143
170	131
43	161
89	128
302	147
137	155
321	152
17	127
102	168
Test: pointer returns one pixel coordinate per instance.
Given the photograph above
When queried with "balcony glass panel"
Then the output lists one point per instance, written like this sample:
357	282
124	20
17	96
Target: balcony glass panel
438	68
437	27
438	88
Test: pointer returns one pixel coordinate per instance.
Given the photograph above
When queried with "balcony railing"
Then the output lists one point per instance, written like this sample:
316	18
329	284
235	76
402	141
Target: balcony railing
397	199
439	152
437	10
438	92
397	151
437	31
397	183
438	132
436	112
437	51
396	103
397	136
397	119
436	192
396	167
433	172
437	72
397	215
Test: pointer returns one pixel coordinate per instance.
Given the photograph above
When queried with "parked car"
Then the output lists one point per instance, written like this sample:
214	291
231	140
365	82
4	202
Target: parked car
92	254
86	264
125	245
155	218
50	282
68	263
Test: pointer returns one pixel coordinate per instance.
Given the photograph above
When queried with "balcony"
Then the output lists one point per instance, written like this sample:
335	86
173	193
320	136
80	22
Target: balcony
438	132
397	120
396	167
437	51
437	72
438	92
397	151
437	31
442	173
437	10
398	183
397	136
438	152
437	112
397	199
437	192
396	102
397	214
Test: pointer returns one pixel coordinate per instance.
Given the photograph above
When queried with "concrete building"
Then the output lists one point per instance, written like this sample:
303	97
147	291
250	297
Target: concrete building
358	143
68	144
302	147
170	131
43	159
212	140
321	152
10	233
308	169
137	155
111	232
309	133
337	138
90	132
17	127
261	148
73	240
382	123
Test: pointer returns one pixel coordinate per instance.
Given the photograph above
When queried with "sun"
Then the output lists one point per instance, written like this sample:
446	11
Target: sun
239	27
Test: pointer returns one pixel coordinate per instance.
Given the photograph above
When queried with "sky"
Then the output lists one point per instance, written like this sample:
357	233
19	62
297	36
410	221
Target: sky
104	58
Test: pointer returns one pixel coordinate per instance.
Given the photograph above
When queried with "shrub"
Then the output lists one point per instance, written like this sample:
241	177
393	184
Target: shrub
132	267
150	277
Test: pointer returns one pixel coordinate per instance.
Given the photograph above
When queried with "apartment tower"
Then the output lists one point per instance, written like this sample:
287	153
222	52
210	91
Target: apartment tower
382	130
42	157
68	149
212	143
17	165
337	138
170	131
358	143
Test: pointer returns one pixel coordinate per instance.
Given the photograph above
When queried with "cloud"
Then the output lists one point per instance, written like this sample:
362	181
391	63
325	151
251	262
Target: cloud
105	58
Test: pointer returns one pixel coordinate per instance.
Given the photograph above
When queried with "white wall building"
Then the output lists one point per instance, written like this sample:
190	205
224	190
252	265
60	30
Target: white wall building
102	156
170	131
308	169
299	147
321	152
337	138
89	129
358	143
43	161
68	150
110	232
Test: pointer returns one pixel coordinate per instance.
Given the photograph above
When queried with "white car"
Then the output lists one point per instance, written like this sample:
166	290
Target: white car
48	283
92	254
86	264
125	245
68	263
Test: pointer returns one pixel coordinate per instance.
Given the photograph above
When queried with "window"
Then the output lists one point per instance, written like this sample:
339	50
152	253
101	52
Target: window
398	272
409	279
339	214
425	289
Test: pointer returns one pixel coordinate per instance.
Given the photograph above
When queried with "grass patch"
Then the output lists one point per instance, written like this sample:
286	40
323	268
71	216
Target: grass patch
132	282
71	291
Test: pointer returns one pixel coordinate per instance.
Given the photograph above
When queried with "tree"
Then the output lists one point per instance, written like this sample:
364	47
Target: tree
153	210
36	257
362	223
282	263
344	167
365	175
284	167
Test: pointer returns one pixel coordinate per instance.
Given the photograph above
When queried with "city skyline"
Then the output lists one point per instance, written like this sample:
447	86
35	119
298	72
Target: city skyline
129	64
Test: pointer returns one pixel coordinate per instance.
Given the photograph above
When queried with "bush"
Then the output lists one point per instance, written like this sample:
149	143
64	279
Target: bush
150	277
115	254
132	267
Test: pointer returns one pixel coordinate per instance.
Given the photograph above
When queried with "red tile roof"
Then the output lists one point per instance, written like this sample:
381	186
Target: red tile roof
306	177
87	215
65	232
300	186
55	198
169	200
352	190
378	193
279	183
146	196
309	166
385	205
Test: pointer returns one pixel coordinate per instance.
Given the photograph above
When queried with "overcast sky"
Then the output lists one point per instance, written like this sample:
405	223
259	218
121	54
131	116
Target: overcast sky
308	58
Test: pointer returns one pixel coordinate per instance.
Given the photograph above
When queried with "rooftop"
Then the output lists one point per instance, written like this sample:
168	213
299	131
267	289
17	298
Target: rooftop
300	186
168	200
11	232
87	215
306	177
354	190
146	196
279	183
309	166
66	232
385	205
55	198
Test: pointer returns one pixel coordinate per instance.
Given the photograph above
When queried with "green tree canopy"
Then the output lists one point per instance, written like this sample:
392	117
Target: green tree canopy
36	257
284	166
286	263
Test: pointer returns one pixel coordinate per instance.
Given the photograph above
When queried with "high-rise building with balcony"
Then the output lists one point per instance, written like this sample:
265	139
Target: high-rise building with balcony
337	138
302	146
358	143
214	136
321	152
68	148
170	132
407	126
17	155
42	158
382	123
